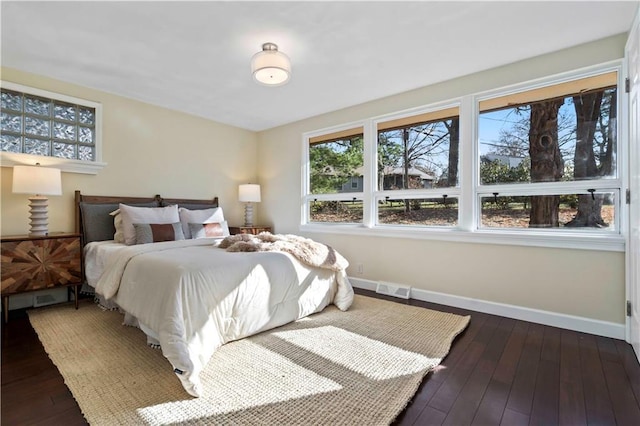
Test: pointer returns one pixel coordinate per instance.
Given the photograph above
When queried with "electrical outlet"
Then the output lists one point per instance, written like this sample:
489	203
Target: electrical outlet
360	267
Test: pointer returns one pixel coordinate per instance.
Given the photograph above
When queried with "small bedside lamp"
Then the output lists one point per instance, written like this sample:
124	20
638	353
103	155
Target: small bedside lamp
40	181
249	193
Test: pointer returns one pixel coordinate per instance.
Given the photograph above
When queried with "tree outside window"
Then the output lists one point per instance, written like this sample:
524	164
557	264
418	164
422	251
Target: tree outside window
567	138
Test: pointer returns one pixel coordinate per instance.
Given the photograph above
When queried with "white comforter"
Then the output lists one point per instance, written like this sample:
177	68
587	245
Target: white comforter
195	297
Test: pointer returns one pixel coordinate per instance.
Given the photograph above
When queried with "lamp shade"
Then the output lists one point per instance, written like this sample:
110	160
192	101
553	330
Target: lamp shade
271	67
36	180
249	193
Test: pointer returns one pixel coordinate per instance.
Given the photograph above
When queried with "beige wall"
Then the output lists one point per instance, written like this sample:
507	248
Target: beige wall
212	159
148	150
575	282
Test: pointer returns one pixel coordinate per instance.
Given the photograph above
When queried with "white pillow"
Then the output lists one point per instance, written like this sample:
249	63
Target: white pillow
131	215
117	223
199	216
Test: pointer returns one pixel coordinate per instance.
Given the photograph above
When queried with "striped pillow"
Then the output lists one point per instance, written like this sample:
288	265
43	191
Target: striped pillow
157	232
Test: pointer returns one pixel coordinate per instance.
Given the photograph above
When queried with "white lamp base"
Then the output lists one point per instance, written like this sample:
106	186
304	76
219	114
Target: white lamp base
38	215
248	214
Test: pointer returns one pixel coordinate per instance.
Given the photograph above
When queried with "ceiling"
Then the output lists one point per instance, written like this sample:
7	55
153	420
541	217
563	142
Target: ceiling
195	56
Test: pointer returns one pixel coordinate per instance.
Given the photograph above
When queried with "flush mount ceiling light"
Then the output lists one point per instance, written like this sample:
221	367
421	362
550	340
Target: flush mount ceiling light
271	67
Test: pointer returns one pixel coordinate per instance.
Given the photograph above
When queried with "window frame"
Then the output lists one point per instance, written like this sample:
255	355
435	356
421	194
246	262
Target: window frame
10	159
307	196
436	109
469	189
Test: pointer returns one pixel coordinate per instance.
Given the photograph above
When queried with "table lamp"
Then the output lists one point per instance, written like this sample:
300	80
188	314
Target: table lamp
249	193
37	181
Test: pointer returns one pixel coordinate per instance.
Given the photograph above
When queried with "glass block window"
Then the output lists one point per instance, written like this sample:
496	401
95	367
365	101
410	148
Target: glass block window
37	125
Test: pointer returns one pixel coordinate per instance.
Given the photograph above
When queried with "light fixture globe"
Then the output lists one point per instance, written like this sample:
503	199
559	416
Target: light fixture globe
271	67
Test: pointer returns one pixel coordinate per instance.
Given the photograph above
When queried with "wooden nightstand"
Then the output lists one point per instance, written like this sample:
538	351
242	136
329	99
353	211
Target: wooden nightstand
40	263
255	230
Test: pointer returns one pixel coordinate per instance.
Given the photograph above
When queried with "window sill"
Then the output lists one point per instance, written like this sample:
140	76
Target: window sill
10	159
557	239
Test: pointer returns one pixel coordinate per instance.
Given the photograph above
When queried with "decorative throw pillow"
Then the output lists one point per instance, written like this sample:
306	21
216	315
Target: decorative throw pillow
157	232
117	223
199	216
209	230
131	215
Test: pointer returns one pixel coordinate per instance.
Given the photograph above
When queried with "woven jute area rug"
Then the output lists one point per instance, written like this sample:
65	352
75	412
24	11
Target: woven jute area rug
359	367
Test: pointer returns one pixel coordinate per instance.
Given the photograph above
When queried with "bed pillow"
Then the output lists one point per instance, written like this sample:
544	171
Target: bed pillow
199	216
97	225
118	237
209	230
158	232
158	215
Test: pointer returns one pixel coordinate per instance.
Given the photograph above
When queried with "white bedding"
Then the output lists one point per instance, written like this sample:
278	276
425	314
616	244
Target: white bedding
195	297
95	257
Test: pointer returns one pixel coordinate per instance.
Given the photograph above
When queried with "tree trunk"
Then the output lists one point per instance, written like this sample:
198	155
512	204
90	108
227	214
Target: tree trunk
454	149
546	161
587	114
589	212
545	211
606	157
587	108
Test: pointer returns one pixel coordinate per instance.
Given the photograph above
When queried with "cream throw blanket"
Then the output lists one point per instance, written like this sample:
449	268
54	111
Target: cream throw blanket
305	250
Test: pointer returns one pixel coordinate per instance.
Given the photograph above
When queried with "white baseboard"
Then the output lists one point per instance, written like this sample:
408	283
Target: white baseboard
554	319
363	284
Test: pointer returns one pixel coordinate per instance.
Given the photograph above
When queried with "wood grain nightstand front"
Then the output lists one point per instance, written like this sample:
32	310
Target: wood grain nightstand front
255	230
40	263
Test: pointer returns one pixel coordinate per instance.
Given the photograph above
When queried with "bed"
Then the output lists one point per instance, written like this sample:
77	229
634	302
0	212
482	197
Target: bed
190	295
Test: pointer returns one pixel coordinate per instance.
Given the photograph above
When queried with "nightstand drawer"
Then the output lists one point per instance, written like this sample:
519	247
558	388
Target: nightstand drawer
39	263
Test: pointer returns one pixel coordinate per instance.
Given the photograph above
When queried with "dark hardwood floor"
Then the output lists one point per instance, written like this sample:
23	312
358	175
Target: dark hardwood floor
499	371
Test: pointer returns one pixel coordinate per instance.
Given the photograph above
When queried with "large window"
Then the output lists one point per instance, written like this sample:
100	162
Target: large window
562	136
336	177
36	124
532	164
417	169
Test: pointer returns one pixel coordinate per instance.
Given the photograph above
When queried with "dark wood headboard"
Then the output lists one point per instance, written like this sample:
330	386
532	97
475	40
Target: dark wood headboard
110	199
